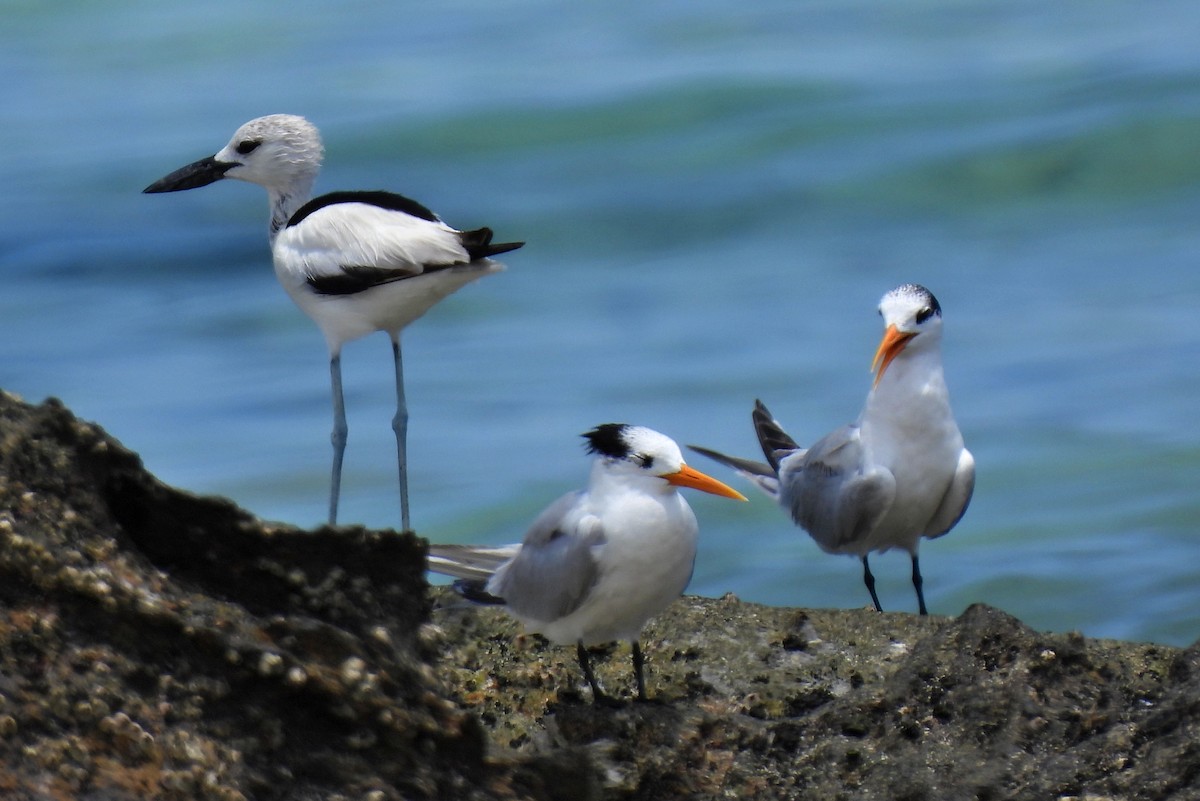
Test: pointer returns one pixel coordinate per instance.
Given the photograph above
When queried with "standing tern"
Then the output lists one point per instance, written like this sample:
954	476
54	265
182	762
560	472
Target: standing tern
355	262
898	474
597	563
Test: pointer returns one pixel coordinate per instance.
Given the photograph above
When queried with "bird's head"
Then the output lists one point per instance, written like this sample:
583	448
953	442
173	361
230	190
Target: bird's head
642	452
913	321
281	152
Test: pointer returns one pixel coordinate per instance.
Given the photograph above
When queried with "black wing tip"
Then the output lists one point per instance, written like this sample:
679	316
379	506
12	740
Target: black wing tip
476	591
505	247
479	244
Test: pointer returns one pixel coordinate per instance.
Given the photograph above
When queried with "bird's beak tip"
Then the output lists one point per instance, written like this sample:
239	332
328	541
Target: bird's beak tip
690	477
198	173
890	346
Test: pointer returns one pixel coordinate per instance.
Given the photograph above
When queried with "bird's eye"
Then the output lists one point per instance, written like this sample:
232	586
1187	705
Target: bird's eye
248	146
645	461
924	314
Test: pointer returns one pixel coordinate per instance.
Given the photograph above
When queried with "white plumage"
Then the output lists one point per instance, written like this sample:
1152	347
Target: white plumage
899	473
355	262
597	564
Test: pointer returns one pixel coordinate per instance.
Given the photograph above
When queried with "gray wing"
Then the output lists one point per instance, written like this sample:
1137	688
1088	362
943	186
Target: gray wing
555	568
957	498
831	496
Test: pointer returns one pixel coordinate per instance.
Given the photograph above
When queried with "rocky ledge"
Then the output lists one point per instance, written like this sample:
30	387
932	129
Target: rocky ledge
156	644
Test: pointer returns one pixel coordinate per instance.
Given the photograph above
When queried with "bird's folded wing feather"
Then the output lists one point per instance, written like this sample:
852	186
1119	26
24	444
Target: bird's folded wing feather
958	496
369	241
833	494
556	566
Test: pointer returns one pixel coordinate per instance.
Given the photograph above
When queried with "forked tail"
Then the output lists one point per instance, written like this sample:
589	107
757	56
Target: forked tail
472	565
471	562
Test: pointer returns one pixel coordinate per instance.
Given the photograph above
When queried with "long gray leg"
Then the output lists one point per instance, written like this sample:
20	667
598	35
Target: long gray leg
338	437
869	580
400	426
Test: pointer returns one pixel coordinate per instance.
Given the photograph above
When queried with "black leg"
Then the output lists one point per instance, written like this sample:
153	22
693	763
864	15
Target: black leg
638	661
869	580
586	665
919	583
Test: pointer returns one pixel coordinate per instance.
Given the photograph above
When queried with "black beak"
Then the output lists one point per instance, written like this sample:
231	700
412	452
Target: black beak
198	173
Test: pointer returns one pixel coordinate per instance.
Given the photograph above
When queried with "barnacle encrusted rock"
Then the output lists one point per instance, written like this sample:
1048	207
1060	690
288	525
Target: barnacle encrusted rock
154	644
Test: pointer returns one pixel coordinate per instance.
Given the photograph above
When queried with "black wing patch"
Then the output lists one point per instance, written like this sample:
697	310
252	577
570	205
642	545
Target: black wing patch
384	200
352	280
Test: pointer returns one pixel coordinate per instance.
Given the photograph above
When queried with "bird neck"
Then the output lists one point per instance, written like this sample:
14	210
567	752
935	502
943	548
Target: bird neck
284	203
912	390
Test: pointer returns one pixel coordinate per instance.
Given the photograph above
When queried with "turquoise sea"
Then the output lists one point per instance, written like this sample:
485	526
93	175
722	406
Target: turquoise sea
715	195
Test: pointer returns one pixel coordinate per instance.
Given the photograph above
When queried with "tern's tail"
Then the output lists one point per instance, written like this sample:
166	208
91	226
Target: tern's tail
774	440
472	562
479	244
472	565
763	475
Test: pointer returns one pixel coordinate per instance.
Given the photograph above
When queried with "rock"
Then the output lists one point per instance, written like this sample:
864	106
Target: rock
155	644
761	702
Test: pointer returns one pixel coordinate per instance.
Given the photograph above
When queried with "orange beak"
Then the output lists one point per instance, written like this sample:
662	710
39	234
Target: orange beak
687	477
893	342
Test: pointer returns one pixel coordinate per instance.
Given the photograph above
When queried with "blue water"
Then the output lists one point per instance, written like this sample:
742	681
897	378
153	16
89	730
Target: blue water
714	199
